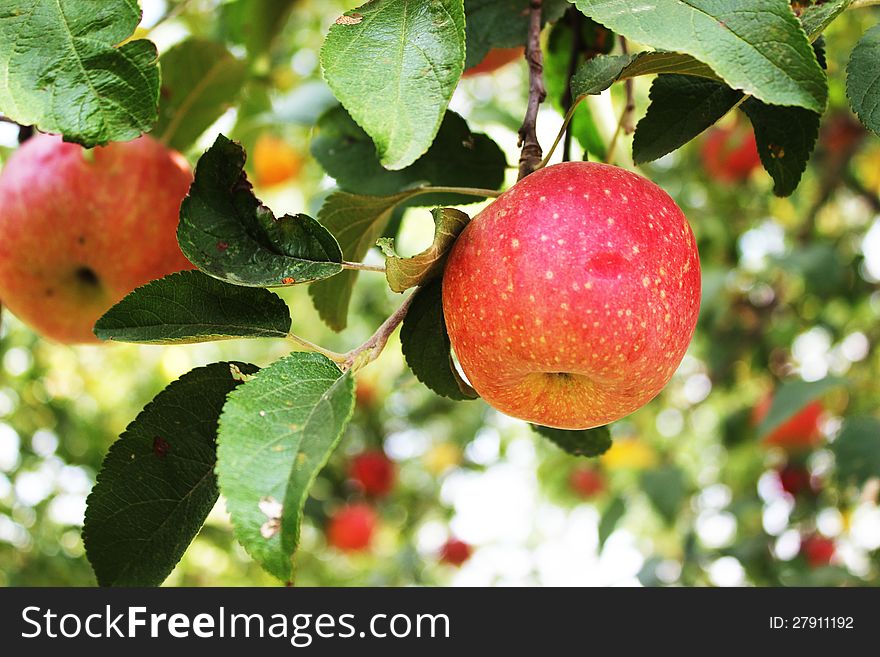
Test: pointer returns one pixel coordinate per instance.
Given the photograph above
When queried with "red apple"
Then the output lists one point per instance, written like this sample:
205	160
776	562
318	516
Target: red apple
586	482
794	479
373	472
351	528
455	552
817	550
730	154
494	59
800	432
571	300
81	229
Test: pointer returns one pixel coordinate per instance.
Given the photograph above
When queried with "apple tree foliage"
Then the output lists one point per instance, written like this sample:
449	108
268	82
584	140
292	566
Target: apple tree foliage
386	135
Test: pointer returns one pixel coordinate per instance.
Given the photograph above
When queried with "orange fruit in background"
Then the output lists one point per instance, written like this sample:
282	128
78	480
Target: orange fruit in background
275	161
495	59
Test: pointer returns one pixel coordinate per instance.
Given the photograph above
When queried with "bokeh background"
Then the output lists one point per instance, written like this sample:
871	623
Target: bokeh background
689	495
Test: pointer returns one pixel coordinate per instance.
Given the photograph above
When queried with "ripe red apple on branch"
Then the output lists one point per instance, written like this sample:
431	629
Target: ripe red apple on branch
571	300
373	472
81	229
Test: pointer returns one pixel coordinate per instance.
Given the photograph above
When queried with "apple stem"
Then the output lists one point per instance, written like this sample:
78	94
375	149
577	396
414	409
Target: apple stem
360	266
530	157
574	19
369	351
629	109
562	131
311	346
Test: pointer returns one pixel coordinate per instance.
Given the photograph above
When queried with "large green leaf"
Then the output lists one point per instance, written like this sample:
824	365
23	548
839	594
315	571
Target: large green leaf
579	442
756	46
863	79
394	64
404	273
426	347
457	158
681	108
228	233
190	306
200	80
857	451
356	222
157	484
817	17
501	24
791	397
785	137
61	69
276	433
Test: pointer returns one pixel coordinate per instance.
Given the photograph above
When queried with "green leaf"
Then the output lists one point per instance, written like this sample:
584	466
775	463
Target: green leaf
581	442
786	137
595	75
756	46
356	222
254	23
610	517
666	487
394	64
228	233
863	79
426	347
200	80
157	484
681	108
790	397
817	17
61	69
191	307
457	158
502	24
404	273
857	450
276	433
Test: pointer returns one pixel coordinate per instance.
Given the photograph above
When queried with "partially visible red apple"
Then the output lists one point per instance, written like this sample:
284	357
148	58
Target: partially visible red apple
81	229
571	300
455	552
586	482
800	432
373	472
494	59
351	528
817	550
730	154
794	479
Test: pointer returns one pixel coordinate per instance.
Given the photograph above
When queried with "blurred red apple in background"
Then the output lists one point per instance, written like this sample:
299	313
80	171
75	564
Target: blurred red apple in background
817	550
794	479
455	552
730	154
373	472
571	300
351	528
799	432
586	482
494	59
81	229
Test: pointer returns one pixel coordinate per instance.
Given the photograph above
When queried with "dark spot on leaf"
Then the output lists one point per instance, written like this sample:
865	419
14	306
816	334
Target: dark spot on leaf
161	447
776	151
81	239
222	246
352	19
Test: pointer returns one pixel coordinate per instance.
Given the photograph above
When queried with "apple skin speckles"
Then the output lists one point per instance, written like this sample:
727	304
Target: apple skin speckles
617	284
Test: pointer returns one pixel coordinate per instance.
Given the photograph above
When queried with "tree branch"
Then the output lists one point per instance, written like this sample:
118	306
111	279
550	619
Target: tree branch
574	20
626	121
370	350
531	153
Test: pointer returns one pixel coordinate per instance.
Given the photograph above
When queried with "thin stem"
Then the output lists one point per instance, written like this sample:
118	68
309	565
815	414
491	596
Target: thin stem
172	12
311	346
626	121
360	266
562	131
370	350
609	155
574	19
531	153
466	191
